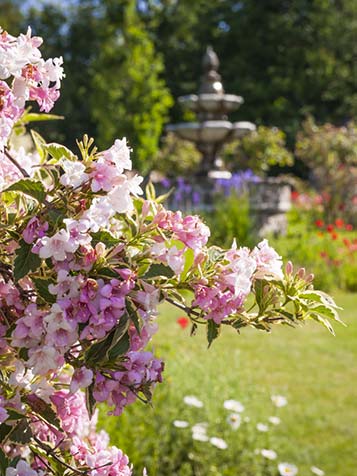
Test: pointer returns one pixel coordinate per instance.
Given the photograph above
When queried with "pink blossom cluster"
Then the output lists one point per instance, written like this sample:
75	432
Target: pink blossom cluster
232	283
189	229
87	447
187	232
140	372
32	78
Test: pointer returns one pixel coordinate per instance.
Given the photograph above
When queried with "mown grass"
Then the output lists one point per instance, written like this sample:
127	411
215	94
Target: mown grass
314	370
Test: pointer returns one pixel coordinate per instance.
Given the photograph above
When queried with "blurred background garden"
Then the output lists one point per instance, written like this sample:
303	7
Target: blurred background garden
295	64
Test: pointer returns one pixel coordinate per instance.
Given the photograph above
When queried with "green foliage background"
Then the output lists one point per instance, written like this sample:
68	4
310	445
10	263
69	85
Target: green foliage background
126	59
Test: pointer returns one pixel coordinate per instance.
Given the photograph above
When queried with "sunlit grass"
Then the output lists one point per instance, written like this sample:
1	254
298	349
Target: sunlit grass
314	370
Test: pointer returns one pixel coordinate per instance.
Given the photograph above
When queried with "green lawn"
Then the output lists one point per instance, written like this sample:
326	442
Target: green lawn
314	370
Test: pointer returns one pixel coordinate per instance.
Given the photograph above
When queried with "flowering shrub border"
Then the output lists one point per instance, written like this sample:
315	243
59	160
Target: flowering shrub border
85	262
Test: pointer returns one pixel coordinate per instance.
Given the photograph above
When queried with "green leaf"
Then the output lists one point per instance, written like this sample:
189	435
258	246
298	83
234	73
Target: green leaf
215	254
90	400
133	316
326	311
4	462
42	289
57	151
21	433
319	296
98	350
55	217
213	331
165	196
189	260
193	329
14	414
120	348
108	272
24	353
4	431
157	270
43	408
104	237
259	294
324	322
120	342
25	260
37	117
150	191
40	145
29	187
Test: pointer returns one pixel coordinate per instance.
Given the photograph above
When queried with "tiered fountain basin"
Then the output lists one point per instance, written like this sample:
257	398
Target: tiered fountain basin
211	132
211	103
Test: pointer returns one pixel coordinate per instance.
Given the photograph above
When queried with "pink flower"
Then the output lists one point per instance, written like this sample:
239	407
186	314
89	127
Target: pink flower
22	469
72	412
45	97
74	173
82	378
34	229
57	246
268	261
44	359
104	177
119	155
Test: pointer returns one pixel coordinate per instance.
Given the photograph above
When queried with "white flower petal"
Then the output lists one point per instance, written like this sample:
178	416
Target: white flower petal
198	436
268	454
317	471
193	401
234	420
233	405
218	443
274	420
180	423
287	469
262	427
279	400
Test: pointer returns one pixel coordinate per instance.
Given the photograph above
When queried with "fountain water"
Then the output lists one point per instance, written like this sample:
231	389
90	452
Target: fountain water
212	129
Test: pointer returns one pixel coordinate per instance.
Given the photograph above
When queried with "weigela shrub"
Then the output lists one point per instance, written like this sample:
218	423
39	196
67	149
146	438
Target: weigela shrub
85	262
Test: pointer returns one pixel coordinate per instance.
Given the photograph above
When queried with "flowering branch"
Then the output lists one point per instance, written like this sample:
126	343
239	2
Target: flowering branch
86	261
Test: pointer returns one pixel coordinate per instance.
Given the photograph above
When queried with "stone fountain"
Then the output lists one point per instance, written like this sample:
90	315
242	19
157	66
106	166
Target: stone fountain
212	129
269	198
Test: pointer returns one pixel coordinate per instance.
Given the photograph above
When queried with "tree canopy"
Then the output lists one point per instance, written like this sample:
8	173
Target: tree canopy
126	59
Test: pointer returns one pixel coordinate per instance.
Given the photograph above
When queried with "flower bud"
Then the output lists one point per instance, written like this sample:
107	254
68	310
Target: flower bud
310	277
289	268
301	273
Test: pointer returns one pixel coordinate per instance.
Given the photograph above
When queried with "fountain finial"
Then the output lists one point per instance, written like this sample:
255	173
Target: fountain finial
211	79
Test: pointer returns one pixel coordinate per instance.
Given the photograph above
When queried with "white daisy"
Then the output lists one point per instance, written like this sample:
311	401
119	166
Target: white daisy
200	427
199	432
193	401
268	454
287	469
262	427
218	443
317	471
279	400
234	420
199	436
274	420
233	406
180	423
